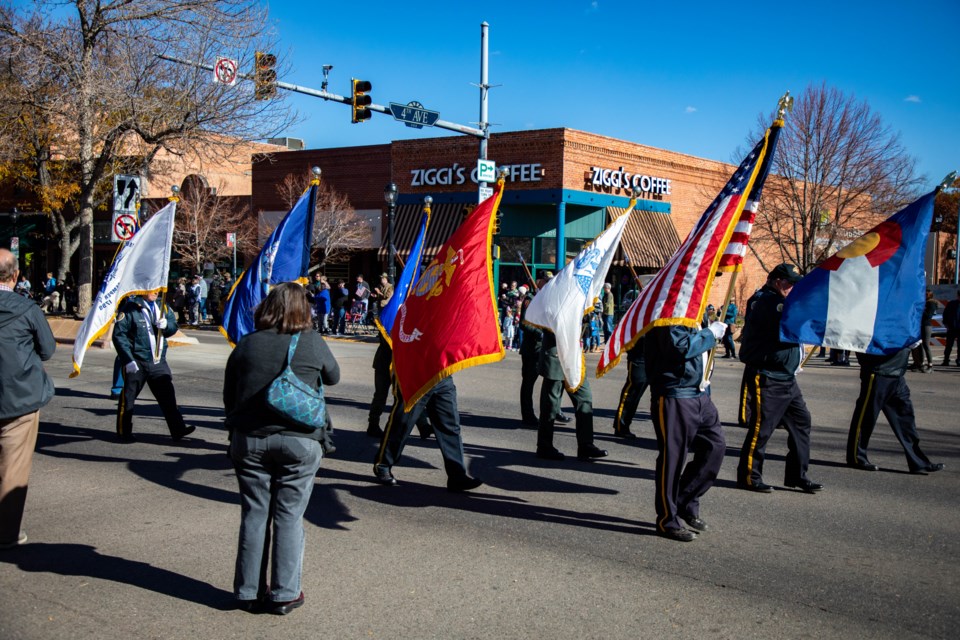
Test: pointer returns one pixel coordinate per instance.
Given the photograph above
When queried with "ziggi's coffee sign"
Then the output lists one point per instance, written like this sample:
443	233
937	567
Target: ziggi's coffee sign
609	179
457	174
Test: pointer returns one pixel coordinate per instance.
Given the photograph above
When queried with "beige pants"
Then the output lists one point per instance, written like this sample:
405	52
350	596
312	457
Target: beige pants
18	438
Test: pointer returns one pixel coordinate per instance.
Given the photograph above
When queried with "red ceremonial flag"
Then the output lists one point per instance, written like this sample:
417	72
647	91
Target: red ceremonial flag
449	321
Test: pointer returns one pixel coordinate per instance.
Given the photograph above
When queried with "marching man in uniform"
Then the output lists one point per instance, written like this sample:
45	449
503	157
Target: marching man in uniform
140	339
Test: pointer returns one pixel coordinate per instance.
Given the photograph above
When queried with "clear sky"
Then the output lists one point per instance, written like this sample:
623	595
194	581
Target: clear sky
685	76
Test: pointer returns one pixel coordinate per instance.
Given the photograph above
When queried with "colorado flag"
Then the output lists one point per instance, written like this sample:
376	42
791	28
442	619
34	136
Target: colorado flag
867	297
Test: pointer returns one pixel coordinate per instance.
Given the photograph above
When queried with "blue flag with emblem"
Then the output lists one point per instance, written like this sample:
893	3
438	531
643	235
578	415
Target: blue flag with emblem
410	275
284	257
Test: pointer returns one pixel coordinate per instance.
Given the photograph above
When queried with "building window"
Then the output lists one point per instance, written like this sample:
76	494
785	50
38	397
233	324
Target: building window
511	247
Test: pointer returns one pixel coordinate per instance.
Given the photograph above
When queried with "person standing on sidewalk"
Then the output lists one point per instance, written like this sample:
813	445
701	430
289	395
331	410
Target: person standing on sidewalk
25	342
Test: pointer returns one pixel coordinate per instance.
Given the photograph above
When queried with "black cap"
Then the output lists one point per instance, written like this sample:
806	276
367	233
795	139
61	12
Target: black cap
786	272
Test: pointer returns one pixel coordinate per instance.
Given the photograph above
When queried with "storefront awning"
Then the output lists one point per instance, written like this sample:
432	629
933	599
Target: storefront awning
649	238
444	220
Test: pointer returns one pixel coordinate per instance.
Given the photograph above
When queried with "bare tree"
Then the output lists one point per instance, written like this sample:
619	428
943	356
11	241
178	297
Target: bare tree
202	223
839	170
95	69
337	229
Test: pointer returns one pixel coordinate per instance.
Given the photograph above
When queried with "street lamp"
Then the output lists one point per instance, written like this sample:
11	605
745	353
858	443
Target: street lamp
390	195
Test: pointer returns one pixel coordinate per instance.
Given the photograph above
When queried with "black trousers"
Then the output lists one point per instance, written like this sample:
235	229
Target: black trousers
765	404
550	393
953	335
528	378
440	403
892	397
685	425
382	380
160	380
630	395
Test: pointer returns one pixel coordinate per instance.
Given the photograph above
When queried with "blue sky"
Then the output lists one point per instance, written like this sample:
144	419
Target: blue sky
689	77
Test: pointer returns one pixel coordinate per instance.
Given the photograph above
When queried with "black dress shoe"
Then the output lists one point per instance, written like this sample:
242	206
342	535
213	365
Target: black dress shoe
591	452
626	434
183	434
384	476
696	523
374	431
930	468
283	608
466	483
863	466
807	486
531	421
564	418
425	432
756	487
550	454
680	535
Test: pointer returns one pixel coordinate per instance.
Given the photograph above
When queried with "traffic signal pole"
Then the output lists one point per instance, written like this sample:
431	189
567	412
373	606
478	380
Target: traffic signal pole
347	100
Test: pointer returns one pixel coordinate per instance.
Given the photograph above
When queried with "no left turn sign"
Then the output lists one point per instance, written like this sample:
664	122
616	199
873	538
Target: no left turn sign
124	227
225	71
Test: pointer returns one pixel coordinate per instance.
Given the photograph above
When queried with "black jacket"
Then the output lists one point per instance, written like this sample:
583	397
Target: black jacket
674	360
760	345
25	341
890	366
255	363
131	335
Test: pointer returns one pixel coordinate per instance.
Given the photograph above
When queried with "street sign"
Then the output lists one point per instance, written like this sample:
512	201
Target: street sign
414	115
15	246
124	226
231	239
225	71
126	193
485	192
486	171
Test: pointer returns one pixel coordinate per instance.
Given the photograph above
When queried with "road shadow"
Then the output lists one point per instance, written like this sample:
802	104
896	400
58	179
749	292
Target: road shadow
83	560
412	495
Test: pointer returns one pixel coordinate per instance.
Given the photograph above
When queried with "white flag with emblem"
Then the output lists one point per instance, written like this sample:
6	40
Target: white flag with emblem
562	302
141	266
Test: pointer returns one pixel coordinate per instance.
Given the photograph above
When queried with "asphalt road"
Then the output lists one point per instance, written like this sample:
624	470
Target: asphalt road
138	540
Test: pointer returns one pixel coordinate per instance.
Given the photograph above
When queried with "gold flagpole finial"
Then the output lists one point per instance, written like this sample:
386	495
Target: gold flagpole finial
176	194
784	106
427	201
502	178
316	177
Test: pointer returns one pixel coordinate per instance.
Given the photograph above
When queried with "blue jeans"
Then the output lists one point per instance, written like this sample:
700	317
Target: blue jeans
276	475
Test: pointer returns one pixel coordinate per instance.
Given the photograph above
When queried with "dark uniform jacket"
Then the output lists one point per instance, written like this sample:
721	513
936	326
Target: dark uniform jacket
887	366
674	360
760	344
131	335
549	364
25	340
532	336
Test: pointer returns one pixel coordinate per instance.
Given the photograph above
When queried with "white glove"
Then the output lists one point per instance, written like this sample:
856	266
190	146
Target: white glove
717	329
162	324
131	367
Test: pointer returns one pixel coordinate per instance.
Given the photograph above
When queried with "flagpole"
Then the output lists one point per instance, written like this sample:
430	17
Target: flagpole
527	270
163	294
784	105
636	278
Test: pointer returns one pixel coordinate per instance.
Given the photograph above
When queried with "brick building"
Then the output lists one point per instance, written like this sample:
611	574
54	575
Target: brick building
564	186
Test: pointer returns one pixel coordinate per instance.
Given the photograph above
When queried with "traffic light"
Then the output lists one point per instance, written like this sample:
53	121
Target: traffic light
359	100
264	75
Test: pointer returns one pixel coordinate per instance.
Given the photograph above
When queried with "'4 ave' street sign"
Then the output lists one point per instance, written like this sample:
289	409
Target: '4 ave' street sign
414	115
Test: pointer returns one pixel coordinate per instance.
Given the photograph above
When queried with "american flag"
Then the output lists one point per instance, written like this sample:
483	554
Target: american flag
677	294
732	257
